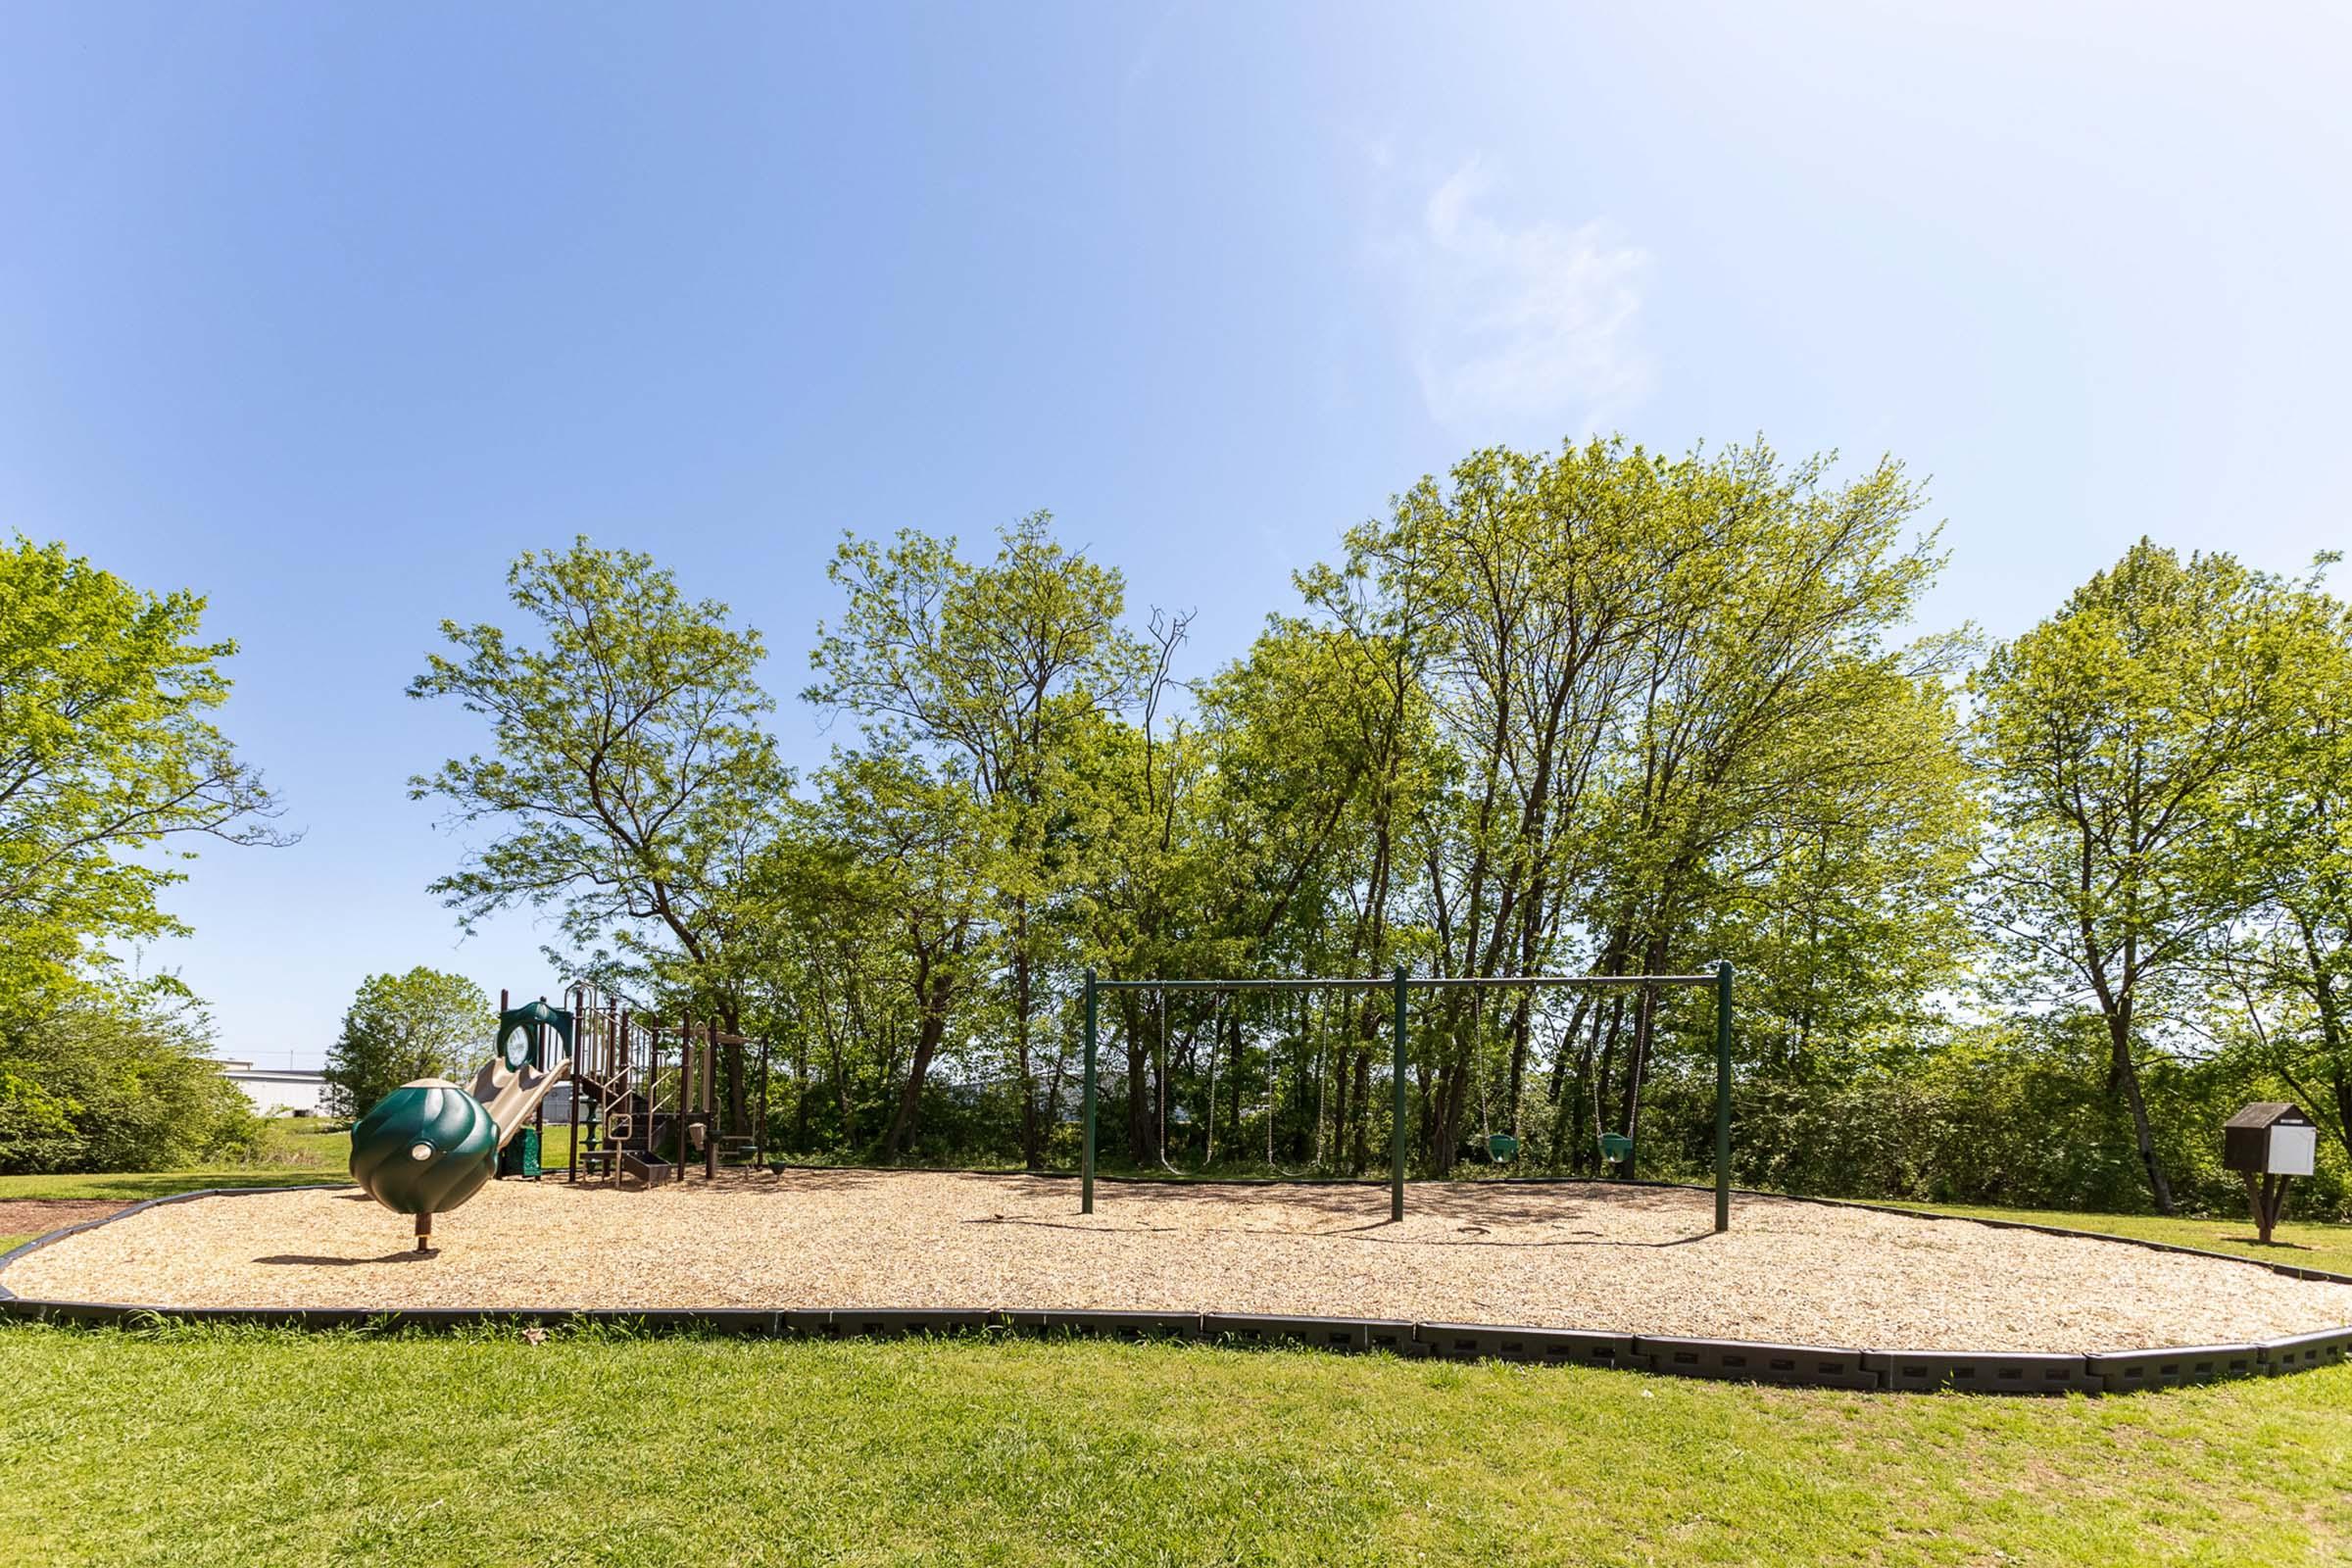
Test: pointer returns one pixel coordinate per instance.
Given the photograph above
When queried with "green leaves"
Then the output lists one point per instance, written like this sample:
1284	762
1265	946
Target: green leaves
2110	739
2133	746
631	776
107	753
422	1025
114	1083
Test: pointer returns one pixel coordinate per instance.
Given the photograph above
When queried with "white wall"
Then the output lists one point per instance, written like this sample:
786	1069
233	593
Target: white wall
280	1091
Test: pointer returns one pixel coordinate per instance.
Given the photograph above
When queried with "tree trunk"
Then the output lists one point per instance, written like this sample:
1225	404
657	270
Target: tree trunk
1032	1153
739	1108
2343	1102
800	1089
934	991
2125	1073
1361	1155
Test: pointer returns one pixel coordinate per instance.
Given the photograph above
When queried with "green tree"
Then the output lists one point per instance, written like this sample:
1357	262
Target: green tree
422	1025
109	764
998	666
2290	967
910	835
117	1082
631	781
1663	690
2112	740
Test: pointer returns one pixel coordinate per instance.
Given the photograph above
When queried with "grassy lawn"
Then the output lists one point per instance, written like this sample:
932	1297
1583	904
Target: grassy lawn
190	1446
295	1151
193	1445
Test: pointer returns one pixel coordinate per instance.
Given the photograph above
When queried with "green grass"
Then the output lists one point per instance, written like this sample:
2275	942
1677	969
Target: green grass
131	1186
187	1445
194	1447
294	1153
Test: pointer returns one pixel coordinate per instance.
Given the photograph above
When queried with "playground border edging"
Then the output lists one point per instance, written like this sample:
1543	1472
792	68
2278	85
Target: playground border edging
1735	1360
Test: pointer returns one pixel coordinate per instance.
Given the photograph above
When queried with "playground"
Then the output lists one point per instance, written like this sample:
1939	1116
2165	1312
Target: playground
1592	1257
662	1211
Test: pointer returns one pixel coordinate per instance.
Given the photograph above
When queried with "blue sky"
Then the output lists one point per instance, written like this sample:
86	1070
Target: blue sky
327	312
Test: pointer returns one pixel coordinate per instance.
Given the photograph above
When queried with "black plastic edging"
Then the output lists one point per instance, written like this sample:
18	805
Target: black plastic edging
1984	1372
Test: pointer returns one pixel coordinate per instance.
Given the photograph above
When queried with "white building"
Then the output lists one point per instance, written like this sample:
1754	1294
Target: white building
280	1091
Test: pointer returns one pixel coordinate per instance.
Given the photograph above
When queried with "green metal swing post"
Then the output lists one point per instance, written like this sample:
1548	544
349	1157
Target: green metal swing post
1722	1095
1401	984
1397	1108
1086	1178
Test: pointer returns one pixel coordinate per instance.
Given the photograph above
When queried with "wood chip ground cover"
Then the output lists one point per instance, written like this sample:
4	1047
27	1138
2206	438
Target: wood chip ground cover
1623	1259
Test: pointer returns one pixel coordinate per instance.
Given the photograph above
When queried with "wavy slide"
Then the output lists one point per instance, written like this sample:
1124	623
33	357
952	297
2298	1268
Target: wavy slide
510	1094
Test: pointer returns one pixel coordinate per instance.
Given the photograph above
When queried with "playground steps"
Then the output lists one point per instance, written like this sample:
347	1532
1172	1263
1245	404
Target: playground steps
652	1172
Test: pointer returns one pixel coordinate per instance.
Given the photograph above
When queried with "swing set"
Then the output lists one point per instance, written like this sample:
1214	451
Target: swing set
1400	986
1306	1050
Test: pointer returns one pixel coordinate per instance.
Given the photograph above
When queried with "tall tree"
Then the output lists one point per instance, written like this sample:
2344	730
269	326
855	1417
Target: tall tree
1630	663
422	1025
910	832
2289	963
110	762
1775	635
2111	738
630	780
1000	664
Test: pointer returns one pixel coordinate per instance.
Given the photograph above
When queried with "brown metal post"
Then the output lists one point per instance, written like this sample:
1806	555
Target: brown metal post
711	1103
685	1084
573	1161
628	1070
424	1233
759	1131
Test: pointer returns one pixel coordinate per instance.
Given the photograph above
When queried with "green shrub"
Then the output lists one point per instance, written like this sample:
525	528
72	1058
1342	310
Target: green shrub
104	1084
2015	1114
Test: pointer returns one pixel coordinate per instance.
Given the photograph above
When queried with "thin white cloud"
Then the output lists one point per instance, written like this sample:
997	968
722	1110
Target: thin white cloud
1527	330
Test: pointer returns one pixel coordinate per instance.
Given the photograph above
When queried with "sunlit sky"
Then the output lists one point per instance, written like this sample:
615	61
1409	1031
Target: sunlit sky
326	311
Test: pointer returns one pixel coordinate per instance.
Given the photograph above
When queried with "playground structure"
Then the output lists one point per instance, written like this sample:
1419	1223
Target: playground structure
1400	987
652	1098
1624	1274
634	1113
1619	1274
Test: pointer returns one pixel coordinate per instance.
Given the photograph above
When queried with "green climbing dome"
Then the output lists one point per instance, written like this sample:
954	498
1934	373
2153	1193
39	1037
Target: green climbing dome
426	1147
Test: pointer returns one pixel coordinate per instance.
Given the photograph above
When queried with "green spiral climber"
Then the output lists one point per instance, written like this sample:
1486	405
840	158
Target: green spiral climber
426	1147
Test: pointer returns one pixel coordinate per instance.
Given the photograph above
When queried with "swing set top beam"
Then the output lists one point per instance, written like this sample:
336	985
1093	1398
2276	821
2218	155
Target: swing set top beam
1414	981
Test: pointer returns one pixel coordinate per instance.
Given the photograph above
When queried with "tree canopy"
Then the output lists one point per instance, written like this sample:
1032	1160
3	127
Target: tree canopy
1596	709
111	770
401	1027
